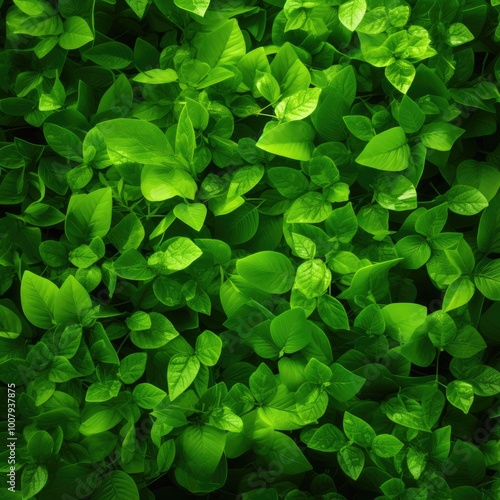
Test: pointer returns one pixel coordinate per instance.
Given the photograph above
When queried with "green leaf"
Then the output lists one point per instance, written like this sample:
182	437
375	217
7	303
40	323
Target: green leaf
127	234
156	76
159	183
132	367
38	297
395	192
266	85
140	320
309	208
103	391
166	455
290	331
487	279
40	446
289	182
201	448
88	216
342	223
262	383
285	453
351	13
371	320
458	34
441	328
99	419
402	319
111	55
72	302
484	379
327	438
10	324
386	446
467	343
460	394
344	384
484	177
323	171
193	215
458	293
33	480
335	102
465	200
268	271
360	126
63	141
291	140
386	151
161	332
76	33
414	250
393	487
180	253
299	105
182	370
313	278
136	140
223	45
440	136
358	431
351	460
289	71
432	221
401	74
304	247
117	485
370	279
208	348
34	7
488	235
333	313
148	396
411	118
133	266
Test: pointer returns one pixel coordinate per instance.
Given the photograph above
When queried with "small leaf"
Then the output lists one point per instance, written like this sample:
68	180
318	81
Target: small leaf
182	370
386	446
193	215
460	394
208	348
351	460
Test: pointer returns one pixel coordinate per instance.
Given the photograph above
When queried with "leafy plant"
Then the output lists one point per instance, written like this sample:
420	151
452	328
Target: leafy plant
250	249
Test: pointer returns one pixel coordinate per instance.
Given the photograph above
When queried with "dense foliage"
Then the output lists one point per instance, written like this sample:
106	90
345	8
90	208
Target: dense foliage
250	247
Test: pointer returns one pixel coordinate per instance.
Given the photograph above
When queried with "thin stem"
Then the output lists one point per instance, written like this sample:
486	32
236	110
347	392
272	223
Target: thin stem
437	366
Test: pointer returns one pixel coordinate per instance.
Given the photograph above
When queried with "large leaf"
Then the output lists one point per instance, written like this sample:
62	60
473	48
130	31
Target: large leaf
268	271
290	331
223	45
198	7
117	485
136	140
38	297
89	216
159	183
76	34
292	140
386	151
